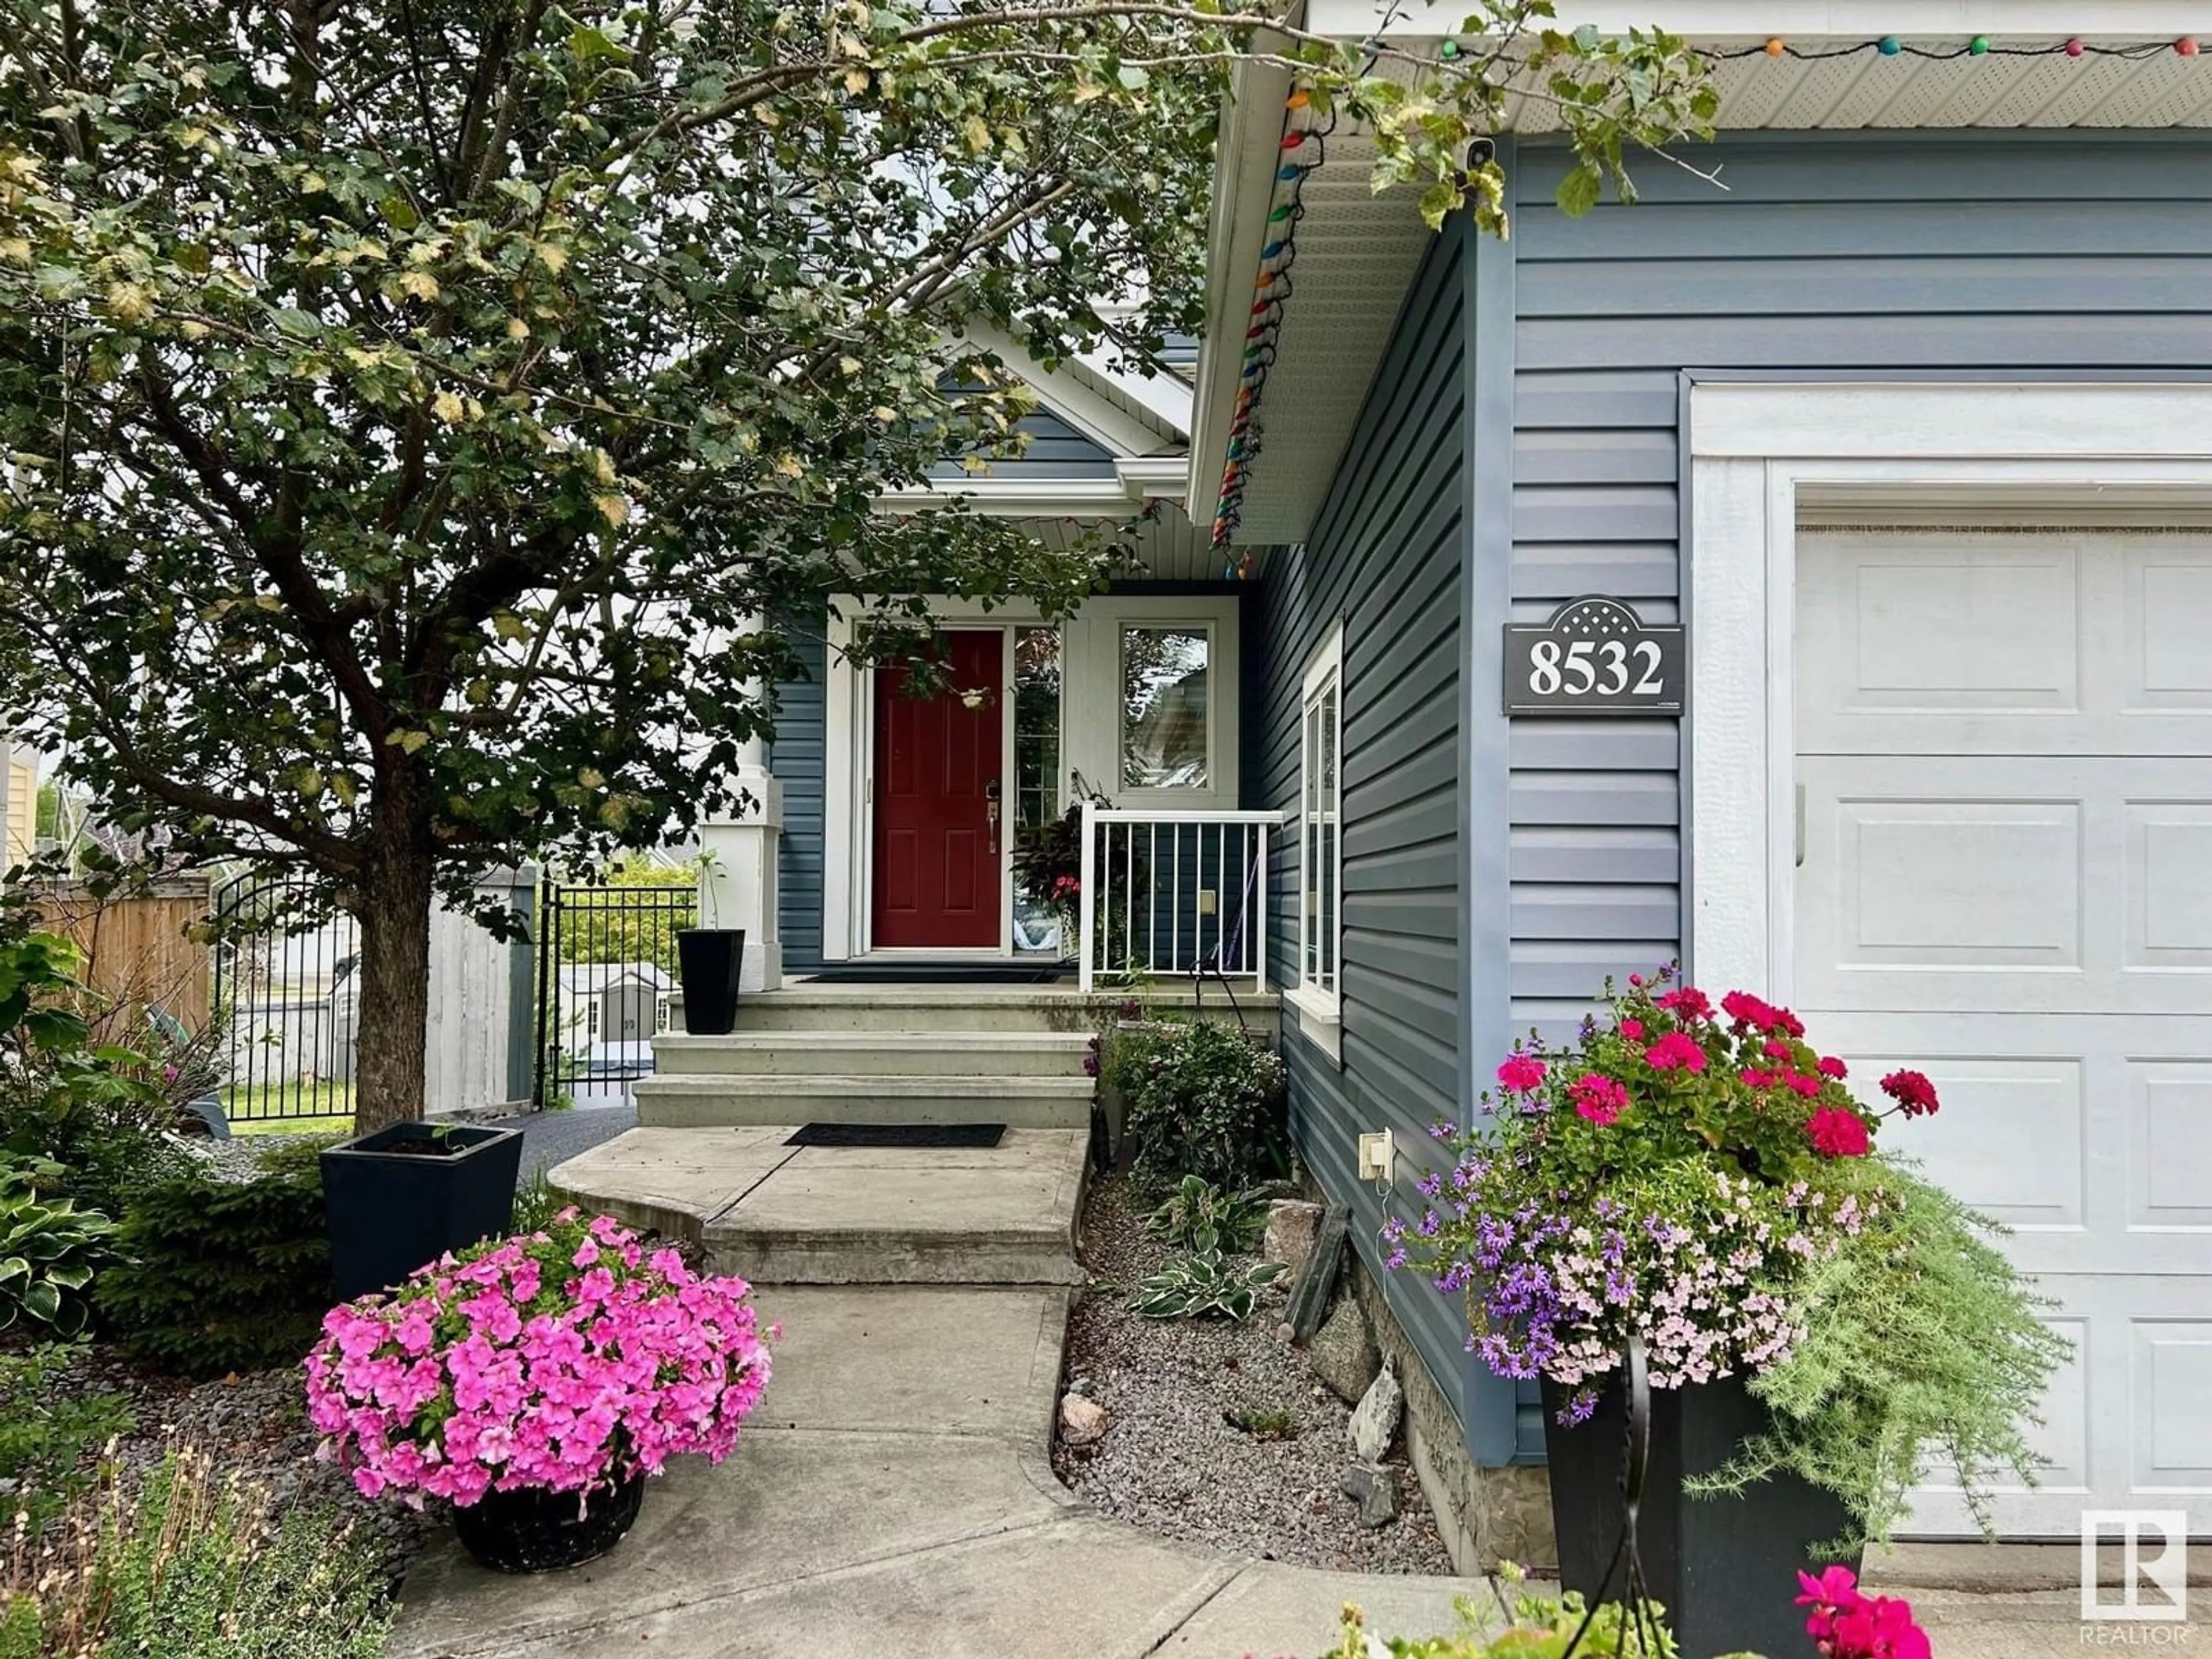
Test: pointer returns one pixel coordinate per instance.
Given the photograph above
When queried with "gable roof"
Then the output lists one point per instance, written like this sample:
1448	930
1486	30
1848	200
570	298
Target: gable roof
1356	253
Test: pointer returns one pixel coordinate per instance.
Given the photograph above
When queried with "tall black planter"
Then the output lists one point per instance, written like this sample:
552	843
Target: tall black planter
1724	1568
710	959
392	1210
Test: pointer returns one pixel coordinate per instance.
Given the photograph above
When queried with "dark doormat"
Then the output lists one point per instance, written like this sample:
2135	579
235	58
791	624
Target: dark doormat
965	1136
939	972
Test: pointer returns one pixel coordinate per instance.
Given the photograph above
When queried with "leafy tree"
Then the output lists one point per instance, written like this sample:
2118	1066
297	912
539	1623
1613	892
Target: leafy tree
408	408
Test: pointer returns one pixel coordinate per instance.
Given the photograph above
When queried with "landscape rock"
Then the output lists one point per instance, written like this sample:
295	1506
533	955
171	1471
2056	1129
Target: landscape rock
1293	1226
1375	1489
1375	1419
1343	1353
1170	1465
1082	1421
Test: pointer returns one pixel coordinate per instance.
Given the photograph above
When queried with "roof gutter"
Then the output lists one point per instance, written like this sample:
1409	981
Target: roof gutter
1717	22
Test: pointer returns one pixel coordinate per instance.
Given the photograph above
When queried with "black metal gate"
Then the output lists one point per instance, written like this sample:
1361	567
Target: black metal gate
606	977
286	997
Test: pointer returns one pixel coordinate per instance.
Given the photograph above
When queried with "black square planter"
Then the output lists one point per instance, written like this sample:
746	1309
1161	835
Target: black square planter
1724	1568
392	1210
709	960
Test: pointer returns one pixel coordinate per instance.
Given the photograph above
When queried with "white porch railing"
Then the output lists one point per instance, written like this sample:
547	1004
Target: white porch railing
1168	893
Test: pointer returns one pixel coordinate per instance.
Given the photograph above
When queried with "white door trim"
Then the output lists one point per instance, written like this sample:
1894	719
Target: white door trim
1761	452
848	781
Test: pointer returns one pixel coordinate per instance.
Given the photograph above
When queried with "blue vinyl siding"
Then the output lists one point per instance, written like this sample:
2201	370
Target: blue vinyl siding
1828	256
1055	449
795	759
1385	556
1835	255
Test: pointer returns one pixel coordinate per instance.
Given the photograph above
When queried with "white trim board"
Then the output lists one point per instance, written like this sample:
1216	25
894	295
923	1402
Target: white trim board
1760	452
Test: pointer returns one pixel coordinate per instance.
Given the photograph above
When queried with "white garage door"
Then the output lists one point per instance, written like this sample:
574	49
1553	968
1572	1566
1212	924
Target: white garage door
2005	756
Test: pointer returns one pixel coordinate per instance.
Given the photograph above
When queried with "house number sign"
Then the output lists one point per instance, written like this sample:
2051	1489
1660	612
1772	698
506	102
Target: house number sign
1596	656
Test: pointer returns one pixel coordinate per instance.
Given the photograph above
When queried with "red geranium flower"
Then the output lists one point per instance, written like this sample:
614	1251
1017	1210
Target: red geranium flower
1836	1133
1631	1028
1520	1072
1912	1092
1688	1003
1830	1067
1675	1049
1598	1098
1746	1009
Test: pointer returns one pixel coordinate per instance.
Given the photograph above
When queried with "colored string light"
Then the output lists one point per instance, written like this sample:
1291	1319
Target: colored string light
1981	46
1303	147
1272	287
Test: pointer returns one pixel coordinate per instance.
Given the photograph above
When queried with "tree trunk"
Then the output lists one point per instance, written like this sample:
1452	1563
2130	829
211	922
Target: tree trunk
394	902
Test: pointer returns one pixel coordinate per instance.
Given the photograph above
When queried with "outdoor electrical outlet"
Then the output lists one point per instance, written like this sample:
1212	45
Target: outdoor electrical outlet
1376	1154
1206	905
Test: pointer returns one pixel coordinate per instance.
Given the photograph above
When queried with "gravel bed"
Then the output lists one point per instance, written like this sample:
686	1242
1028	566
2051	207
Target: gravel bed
1172	1462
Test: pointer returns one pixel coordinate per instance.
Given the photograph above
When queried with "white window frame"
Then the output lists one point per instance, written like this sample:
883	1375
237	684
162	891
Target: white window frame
1120	786
1321	1005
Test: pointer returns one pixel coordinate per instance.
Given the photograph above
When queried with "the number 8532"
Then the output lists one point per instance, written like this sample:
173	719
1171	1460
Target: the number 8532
1600	665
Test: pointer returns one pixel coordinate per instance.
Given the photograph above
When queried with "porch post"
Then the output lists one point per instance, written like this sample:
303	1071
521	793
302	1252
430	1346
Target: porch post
1087	899
737	876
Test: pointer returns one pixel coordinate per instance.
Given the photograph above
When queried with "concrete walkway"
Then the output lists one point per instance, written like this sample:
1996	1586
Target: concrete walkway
893	1500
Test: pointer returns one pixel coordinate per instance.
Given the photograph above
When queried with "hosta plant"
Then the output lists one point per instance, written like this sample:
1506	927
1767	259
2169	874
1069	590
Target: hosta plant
1202	1285
566	1359
1201	1217
48	1251
1705	1179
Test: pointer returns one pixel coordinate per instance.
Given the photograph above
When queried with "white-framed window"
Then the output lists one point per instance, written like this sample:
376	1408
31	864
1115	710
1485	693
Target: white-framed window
661	1020
1318	994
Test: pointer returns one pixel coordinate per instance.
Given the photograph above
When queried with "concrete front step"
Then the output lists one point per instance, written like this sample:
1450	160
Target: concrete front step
821	1215
806	1005
850	1006
875	1054
678	1100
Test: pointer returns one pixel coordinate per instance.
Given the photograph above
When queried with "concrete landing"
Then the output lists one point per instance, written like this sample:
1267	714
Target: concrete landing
820	1215
892	1496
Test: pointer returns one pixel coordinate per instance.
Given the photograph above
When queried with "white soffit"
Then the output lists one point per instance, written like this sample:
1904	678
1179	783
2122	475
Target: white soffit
1357	256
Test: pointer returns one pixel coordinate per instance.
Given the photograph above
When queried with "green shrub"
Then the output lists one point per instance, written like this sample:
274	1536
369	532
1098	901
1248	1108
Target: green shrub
1524	1626
48	1251
1201	1286
1208	1101
191	1566
50	1426
1200	1217
81	1108
1924	1351
224	1276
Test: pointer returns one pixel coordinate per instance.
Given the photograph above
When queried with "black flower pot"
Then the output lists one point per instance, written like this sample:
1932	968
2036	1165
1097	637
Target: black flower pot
709	958
533	1531
407	1193
1724	1568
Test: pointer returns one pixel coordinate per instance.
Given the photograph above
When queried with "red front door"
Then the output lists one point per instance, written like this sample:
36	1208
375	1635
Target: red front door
938	820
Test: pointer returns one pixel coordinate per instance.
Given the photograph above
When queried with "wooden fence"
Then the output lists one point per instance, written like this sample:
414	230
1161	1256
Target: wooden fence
137	949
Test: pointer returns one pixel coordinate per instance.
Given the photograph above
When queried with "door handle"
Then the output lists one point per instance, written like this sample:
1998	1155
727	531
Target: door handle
991	812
